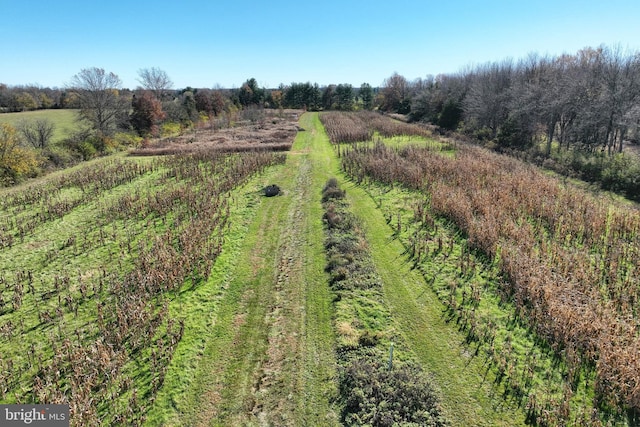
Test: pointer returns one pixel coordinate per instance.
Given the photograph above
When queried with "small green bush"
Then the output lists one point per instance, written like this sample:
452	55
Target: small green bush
377	396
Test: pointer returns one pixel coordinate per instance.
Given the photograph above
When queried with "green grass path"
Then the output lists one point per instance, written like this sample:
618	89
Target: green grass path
263	353
268	355
467	396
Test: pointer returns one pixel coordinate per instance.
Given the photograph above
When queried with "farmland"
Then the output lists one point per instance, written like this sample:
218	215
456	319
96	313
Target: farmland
91	261
64	120
544	272
167	290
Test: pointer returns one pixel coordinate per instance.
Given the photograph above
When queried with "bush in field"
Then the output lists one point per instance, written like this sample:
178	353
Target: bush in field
377	396
170	129
332	191
15	160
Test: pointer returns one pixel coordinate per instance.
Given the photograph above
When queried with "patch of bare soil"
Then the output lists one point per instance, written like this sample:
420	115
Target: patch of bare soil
271	130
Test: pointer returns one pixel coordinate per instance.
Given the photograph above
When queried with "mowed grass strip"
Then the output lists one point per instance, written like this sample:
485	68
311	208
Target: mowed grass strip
468	397
268	358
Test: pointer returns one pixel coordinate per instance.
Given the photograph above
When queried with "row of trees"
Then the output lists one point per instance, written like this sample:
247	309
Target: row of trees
32	97
107	111
296	95
342	97
589	100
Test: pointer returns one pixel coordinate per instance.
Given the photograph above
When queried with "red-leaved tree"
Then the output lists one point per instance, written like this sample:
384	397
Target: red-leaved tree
147	114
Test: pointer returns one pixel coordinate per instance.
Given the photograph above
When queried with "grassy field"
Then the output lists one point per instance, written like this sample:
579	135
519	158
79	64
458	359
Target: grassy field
462	223
114	257
193	299
274	315
268	351
64	120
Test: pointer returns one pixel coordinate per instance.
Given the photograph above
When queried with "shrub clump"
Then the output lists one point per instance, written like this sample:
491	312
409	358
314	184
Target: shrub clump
271	190
377	396
332	191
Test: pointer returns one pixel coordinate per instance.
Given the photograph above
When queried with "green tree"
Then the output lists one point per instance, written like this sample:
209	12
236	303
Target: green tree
450	116
329	97
22	101
189	107
344	96
366	95
302	95
250	93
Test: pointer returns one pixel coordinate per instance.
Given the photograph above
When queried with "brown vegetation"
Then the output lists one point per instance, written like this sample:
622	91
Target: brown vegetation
265	131
102	340
570	258
361	126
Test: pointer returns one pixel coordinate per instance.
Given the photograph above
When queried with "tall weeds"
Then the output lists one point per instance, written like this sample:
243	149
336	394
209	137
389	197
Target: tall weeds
569	258
100	336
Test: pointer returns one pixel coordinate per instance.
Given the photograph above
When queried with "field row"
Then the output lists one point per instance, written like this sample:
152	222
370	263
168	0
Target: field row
85	290
566	264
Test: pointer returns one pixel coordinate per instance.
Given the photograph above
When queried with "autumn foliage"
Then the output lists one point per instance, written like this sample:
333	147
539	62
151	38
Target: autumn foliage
361	126
15	160
147	114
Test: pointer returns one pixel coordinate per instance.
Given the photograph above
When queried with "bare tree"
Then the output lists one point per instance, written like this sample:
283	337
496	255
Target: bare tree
99	99
37	132
396	95
155	80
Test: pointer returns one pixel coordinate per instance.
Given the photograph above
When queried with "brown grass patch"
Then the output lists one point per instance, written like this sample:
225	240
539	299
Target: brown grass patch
274	131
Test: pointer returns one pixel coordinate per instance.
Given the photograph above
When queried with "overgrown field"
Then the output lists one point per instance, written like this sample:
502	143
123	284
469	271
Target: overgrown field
91	262
542	277
262	130
166	291
372	392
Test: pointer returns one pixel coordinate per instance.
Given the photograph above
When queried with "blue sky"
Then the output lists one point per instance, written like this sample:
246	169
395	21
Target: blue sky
207	43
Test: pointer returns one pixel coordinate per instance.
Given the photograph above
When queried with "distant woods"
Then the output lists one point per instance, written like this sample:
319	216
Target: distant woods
574	113
588	100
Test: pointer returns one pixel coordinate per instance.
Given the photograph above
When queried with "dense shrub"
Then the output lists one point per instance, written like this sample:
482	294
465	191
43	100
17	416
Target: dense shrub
619	173
331	190
378	396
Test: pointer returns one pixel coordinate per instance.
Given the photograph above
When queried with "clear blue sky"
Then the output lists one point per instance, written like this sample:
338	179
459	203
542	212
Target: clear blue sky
206	43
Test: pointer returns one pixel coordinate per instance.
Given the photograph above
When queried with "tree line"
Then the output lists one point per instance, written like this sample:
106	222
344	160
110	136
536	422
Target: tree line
110	116
588	100
585	104
577	114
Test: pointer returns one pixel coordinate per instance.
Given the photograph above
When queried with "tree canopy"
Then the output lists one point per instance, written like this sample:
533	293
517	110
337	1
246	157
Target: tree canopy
99	100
